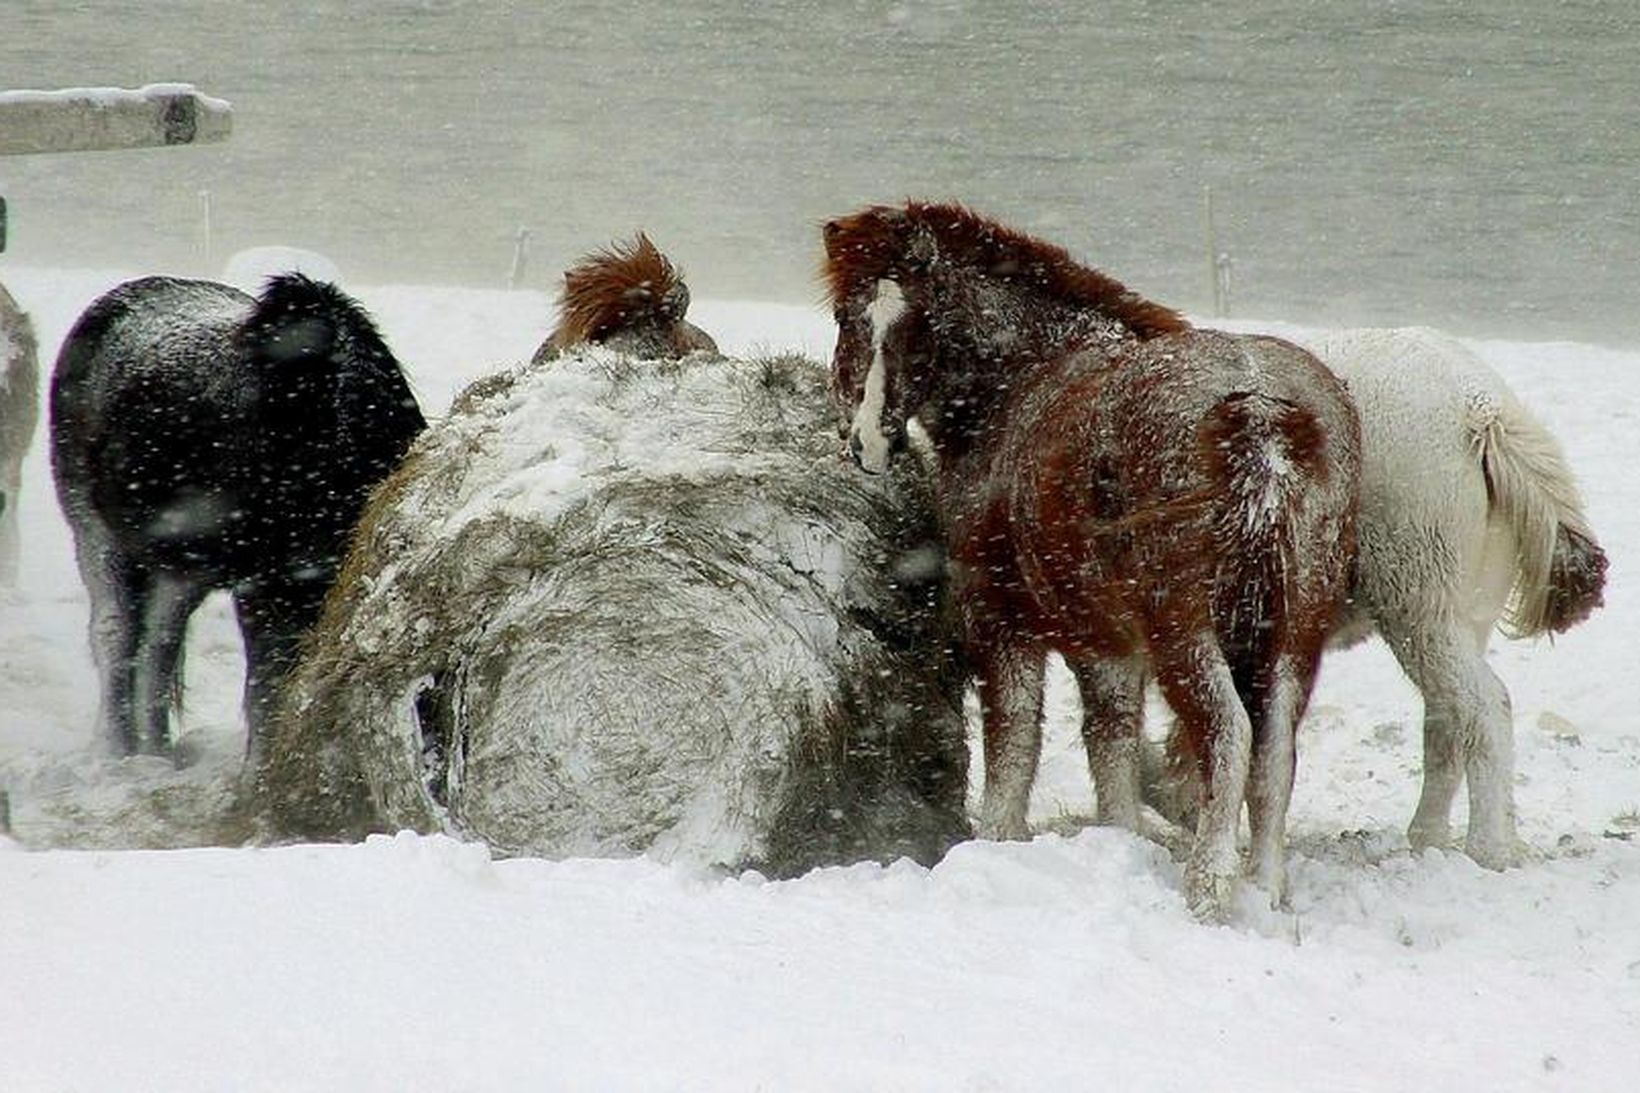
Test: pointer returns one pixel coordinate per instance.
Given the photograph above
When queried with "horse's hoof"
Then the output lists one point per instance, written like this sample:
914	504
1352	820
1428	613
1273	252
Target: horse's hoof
1003	831
1210	896
1494	854
1273	883
1157	828
1423	837
1125	818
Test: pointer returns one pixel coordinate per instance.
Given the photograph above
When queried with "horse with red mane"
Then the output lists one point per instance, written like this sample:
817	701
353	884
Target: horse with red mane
630	297
1117	486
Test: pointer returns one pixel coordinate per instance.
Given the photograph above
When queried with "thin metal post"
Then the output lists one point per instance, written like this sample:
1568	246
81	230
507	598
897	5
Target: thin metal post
520	258
1212	248
205	230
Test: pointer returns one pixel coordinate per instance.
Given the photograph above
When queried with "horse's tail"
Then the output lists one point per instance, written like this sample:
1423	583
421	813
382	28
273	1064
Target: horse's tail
1560	569
306	331
1271	458
1283	537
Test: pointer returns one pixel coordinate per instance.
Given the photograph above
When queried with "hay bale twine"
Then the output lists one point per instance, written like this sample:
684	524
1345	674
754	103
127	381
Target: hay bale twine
615	605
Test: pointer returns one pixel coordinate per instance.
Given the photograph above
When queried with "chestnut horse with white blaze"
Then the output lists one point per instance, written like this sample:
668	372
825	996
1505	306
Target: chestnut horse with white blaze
1119	487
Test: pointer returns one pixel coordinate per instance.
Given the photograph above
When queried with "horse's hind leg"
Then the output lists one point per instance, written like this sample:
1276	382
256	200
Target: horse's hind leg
1196	681
114	593
1270	780
1443	772
1010	693
167	603
1468	730
1113	707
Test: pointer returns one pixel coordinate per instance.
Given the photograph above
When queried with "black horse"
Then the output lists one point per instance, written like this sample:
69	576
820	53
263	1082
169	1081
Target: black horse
203	439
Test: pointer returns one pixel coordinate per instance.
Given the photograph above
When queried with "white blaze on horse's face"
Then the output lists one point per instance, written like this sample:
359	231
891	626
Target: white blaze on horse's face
868	439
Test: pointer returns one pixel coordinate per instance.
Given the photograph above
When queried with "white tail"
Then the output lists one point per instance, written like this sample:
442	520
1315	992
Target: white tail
1560	569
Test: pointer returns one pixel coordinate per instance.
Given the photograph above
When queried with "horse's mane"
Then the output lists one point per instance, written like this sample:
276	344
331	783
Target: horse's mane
865	245
618	288
299	319
285	293
320	311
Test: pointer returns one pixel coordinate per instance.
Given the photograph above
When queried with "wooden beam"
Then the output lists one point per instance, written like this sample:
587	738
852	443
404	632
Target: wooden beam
93	119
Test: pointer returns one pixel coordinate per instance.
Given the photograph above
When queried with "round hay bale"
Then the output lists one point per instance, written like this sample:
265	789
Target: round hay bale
614	605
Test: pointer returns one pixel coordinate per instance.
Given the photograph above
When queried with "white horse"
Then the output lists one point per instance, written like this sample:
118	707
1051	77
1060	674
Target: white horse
19	413
1470	520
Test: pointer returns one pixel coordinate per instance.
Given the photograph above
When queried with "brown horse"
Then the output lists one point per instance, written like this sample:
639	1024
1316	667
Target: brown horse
1135	494
629	297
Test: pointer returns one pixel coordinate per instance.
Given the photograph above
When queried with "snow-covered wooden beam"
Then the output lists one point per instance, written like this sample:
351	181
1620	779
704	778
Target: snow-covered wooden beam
93	119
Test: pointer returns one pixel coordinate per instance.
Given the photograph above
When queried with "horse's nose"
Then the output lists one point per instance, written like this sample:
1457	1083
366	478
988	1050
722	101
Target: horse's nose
855	447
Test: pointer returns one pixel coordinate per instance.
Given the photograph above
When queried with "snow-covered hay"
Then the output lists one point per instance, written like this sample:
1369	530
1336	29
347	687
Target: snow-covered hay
613	605
19	413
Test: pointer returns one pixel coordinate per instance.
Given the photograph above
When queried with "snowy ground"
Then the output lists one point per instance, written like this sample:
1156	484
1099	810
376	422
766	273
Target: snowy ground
1065	963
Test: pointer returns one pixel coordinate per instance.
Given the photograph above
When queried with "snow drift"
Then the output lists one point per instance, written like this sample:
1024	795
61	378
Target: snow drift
374	966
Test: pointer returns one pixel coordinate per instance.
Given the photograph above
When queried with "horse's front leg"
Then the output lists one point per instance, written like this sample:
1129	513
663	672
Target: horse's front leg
1010	693
273	617
1113	710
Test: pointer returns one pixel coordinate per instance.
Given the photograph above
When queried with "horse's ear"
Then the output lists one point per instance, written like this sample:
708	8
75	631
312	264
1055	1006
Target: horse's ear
831	234
921	249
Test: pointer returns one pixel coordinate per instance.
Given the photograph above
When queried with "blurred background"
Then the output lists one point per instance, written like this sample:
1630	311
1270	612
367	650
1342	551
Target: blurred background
1474	166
